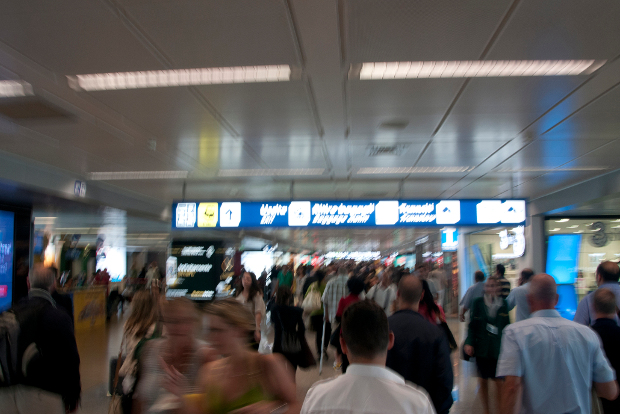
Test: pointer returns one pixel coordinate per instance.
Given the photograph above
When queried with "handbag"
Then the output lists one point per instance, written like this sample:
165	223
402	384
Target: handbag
306	358
312	301
115	406
289	343
451	341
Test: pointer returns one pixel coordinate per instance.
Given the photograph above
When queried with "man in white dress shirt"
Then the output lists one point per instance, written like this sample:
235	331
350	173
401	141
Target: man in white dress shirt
368	386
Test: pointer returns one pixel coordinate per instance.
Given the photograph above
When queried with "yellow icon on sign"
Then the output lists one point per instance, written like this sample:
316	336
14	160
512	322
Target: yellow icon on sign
207	215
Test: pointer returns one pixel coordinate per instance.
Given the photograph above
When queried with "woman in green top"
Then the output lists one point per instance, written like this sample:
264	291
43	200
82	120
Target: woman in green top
489	317
243	378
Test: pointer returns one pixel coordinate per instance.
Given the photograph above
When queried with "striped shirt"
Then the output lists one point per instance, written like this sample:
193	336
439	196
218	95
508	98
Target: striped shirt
335	290
505	283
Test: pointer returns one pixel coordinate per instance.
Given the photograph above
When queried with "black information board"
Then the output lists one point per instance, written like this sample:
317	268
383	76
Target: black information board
194	268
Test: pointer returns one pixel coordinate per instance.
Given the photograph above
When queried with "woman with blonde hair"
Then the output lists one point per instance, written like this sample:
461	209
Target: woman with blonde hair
142	323
178	350
242	379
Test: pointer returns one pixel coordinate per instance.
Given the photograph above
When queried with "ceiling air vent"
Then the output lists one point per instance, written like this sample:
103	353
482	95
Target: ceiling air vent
379	150
394	125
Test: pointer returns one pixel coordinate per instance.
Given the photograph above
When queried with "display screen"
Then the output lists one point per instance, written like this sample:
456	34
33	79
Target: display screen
7	220
198	269
380	213
563	257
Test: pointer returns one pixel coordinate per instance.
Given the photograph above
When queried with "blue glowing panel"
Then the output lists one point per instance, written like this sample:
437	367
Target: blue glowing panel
378	213
567	305
6	259
563	257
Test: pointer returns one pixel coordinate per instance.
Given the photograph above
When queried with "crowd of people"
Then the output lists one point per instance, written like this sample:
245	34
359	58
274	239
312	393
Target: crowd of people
544	363
387	329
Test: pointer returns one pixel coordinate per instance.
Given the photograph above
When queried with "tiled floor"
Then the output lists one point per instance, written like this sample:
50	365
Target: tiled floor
99	345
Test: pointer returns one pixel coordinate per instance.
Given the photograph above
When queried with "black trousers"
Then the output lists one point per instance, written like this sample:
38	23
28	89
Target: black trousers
317	325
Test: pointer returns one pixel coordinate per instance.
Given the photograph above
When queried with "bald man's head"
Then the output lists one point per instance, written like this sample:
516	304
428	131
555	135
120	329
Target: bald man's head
410	290
608	272
542	293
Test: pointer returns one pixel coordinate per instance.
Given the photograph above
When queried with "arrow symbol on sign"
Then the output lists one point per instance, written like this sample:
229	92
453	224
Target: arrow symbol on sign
229	212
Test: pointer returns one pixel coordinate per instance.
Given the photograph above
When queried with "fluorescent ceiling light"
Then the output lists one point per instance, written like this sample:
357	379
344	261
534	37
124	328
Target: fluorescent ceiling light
475	69
137	175
578	231
541	169
13	89
562	220
556	229
270	172
573	227
615	221
179	77
615	227
413	170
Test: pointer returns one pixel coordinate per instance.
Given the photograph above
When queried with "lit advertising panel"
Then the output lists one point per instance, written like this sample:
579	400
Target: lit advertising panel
377	213
7	220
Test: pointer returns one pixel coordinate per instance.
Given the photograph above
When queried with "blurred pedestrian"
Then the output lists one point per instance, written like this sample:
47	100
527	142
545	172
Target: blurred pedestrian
143	322
179	350
421	353
518	296
368	387
475	291
608	330
251	297
289	327
549	363
48	361
242	380
489	317
607	275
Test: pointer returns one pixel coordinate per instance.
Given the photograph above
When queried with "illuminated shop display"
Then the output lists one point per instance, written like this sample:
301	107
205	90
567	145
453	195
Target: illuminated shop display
380	213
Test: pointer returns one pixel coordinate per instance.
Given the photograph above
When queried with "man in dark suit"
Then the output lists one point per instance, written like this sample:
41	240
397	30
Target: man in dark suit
421	353
47	354
606	327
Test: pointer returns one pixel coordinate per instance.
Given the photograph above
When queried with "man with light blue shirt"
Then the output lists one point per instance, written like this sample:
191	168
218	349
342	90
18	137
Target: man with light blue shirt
475	291
550	363
607	275
518	296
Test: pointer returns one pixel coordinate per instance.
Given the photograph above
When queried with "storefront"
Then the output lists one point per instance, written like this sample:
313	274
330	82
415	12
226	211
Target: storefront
583	243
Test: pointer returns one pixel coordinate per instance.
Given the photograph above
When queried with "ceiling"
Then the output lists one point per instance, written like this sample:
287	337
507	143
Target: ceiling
520	137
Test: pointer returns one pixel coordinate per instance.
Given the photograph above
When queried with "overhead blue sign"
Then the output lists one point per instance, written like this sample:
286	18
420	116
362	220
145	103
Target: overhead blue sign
380	213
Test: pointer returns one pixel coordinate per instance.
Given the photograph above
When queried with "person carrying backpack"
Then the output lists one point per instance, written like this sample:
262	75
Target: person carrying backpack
39	360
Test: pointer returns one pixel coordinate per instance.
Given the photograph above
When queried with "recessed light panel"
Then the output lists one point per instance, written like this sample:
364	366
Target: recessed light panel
179	77
476	69
137	175
413	170
14	89
270	172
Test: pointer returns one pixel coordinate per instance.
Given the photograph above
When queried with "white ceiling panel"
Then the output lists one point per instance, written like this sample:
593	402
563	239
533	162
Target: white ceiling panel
167	113
72	37
598	120
561	29
291	156
420	103
405	30
217	33
500	108
459	154
277	110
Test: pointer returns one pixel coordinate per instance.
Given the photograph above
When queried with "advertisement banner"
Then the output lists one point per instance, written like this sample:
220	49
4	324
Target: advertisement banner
7	220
